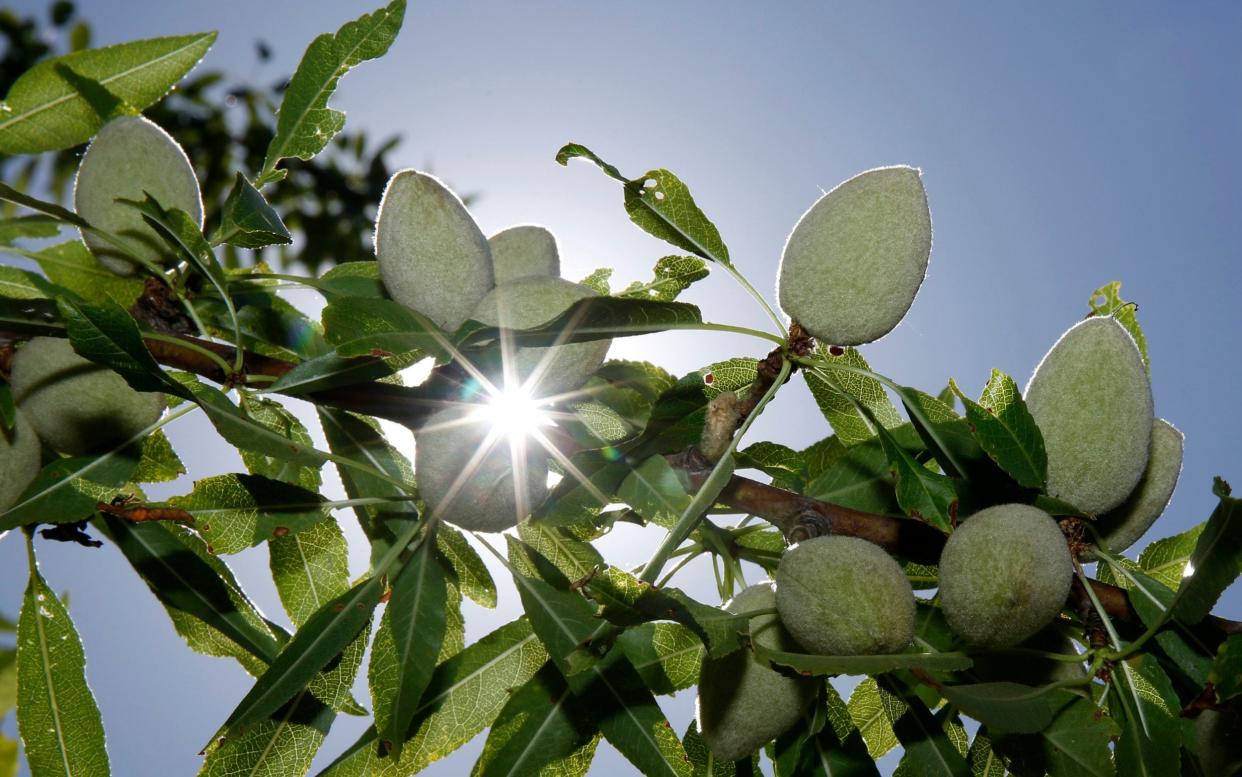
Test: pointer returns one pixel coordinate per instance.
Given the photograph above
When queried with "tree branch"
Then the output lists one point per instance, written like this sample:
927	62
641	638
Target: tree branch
798	517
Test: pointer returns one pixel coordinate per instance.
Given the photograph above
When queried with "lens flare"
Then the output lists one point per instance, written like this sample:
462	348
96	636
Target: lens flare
514	414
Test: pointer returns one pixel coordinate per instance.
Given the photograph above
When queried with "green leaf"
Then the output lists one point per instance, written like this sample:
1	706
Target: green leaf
360	326
661	204
330	371
1076	743
1227	669
467	692
596	318
103	102
873	710
578	151
417	611
8	680
181	232
72	266
1006	430
543	729
278	419
562	618
42	112
673	275
16	283
185	582
1165	559
305	123
33	317
597	281
833	391
859	478
248	221
357	439
928	749
309	569
1152	601
655	491
67	490
280	746
56	713
237	511
25	228
828	745
627	601
920	492
324	635
1147	709
351	279
1107	301
159	462
107	335
666	655
470	571
1217	561
807	664
8	757
244	432
1003	707
984	761
786	466
631	720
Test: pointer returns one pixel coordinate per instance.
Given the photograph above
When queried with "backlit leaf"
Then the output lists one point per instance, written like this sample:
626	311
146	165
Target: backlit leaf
1006	430
60	725
43	112
305	123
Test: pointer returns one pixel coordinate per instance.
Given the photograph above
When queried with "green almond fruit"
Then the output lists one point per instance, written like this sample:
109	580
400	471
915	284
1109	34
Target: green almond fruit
468	475
1091	398
743	704
524	251
20	460
1218	740
1122	526
856	259
130	157
529	303
844	596
432	256
75	405
1004	575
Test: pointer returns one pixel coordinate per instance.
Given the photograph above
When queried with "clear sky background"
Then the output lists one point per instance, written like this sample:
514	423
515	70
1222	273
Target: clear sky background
1062	146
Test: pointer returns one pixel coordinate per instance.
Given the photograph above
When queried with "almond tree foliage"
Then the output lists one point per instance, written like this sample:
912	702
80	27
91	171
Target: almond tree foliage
327	203
1146	680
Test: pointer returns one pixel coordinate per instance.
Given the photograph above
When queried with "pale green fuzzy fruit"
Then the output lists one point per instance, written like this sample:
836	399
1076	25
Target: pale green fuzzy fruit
844	596
855	260
743	704
1091	398
529	303
19	460
1218	739
432	256
472	484
524	251
132	156
75	405
1004	575
1122	526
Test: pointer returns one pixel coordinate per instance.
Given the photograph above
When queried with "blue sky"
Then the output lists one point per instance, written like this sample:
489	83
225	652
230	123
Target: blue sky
1062	147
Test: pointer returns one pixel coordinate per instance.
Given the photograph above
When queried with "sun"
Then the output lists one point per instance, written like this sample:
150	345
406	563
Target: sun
514	414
